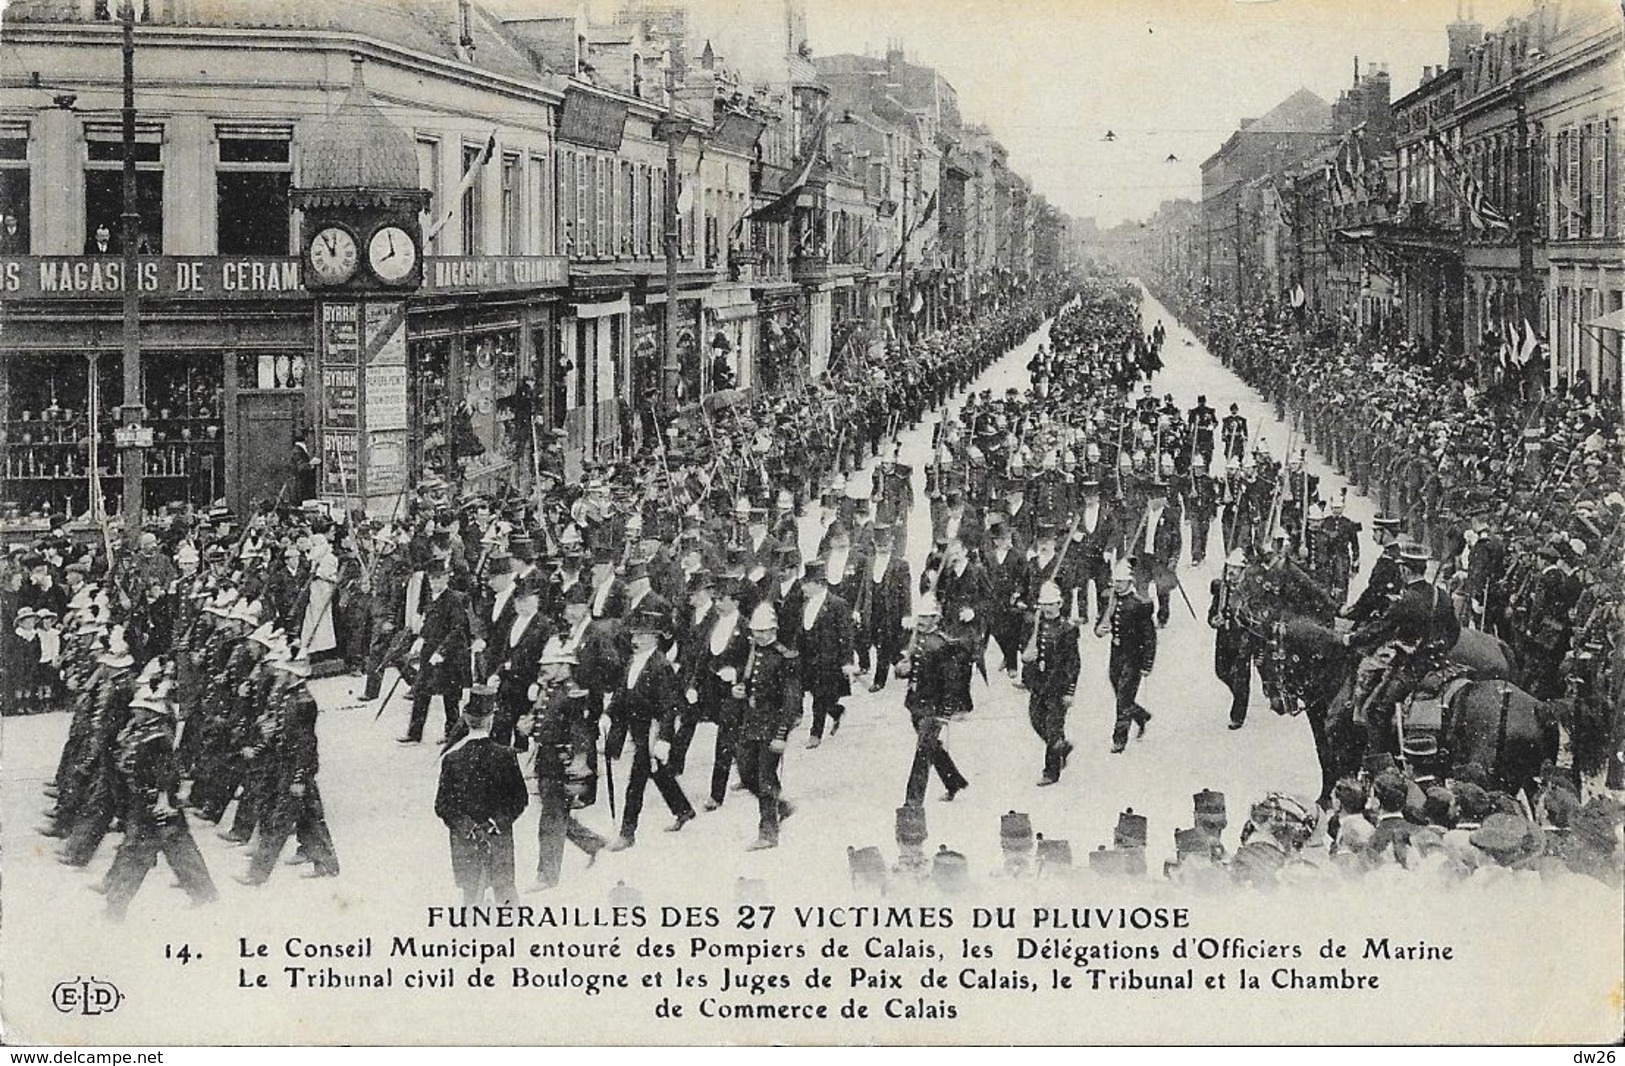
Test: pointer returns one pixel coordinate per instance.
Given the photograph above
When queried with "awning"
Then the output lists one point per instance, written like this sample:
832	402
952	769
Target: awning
1614	320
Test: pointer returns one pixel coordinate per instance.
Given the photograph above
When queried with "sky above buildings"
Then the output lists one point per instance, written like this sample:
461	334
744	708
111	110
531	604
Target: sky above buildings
1050	77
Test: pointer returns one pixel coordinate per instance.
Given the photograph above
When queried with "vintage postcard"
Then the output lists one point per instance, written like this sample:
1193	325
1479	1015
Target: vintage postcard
533	522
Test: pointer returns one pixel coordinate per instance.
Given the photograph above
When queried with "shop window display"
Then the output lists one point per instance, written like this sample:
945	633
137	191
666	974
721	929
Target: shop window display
46	452
489	438
431	361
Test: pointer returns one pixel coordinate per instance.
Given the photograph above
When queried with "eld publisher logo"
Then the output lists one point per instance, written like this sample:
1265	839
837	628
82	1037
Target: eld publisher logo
86	995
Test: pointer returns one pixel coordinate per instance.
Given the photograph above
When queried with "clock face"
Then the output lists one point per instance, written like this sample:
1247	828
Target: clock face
391	254
333	255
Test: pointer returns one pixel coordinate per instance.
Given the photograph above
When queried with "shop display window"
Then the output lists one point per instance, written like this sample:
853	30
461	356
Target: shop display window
47	453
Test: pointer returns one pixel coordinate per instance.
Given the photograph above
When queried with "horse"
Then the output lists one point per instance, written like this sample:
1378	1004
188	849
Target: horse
1488	719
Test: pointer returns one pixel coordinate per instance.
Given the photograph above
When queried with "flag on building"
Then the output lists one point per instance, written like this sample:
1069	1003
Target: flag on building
455	202
781	208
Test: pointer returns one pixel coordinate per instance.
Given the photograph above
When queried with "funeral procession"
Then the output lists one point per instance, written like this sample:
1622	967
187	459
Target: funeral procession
487	453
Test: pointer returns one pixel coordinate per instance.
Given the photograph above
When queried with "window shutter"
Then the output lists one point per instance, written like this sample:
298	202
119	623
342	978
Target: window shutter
1571	179
1599	181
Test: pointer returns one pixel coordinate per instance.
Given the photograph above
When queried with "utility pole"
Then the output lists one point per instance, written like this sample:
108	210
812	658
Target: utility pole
1239	293
1527	302
673	130
131	412
903	283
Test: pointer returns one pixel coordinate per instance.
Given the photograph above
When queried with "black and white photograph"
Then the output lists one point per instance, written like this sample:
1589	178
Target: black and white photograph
807	522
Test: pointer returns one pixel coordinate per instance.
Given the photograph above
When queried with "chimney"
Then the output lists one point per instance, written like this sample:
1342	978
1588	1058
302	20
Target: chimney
465	31
1464	36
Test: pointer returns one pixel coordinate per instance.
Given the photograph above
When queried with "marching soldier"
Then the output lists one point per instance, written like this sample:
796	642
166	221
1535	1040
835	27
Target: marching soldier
293	805
563	729
1233	432
1203	421
153	822
1202	505
1050	674
938	691
480	795
1232	641
1133	653
769	693
1340	536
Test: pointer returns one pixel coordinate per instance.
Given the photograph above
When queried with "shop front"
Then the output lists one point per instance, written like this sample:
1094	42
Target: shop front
595	361
729	332
224	350
781	353
482	361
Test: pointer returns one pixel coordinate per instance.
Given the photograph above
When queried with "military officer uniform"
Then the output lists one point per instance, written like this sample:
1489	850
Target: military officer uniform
769	694
1050	672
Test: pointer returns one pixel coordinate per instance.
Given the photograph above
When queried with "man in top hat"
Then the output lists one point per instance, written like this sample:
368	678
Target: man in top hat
760	546
1050	673
822	638
153	822
1161	539
710	661
881	594
1006	569
894	496
768	694
1098	532
442	651
645	707
480	795
563	728
1233	642
608	591
493	607
516	657
938	672
1133	653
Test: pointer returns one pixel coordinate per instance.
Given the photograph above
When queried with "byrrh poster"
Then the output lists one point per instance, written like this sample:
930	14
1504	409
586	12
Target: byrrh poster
1201	626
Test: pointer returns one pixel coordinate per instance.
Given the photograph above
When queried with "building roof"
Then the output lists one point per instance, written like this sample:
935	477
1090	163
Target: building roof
1302	112
357	147
426	26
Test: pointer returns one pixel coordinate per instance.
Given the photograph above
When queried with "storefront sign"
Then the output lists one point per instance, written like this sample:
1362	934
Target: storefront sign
340	474
387	455
340	337
341	399
592	120
31	277
386	399
386	334
483	273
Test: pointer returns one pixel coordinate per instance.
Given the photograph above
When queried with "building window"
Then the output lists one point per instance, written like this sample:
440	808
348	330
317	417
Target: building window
15	189
513	206
473	205
541	238
583	217
253	171
104	189
629	188
429	178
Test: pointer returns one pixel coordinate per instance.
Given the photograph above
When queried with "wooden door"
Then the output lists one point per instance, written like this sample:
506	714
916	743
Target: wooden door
266	428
